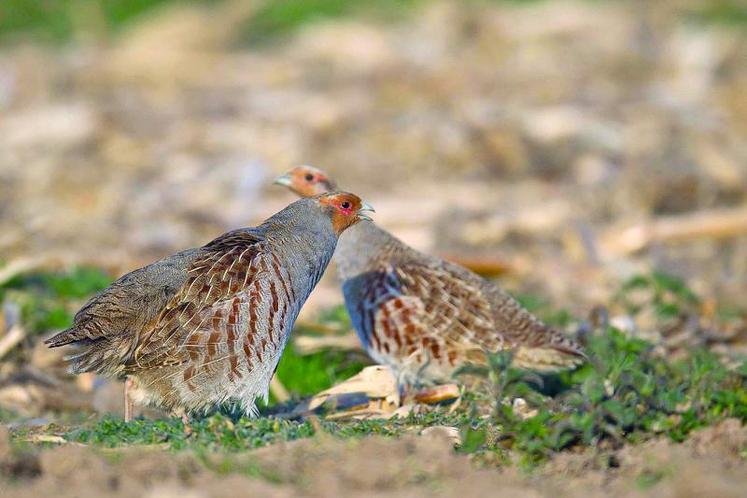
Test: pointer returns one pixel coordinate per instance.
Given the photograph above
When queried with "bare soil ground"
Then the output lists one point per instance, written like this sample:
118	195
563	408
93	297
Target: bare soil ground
711	463
562	147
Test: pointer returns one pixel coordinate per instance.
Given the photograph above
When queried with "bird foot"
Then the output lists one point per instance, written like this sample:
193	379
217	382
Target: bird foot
434	395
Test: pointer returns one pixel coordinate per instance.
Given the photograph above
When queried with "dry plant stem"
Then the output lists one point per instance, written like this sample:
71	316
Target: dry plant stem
322	328
129	407
20	266
15	335
305	344
456	404
278	390
376	409
714	224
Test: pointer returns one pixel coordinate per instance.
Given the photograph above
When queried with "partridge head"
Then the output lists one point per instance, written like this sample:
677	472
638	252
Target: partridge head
343	209
306	181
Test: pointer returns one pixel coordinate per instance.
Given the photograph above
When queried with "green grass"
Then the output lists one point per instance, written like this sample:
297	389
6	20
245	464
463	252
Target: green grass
626	394
215	432
281	17
48	300
220	432
54	21
60	20
724	12
668	295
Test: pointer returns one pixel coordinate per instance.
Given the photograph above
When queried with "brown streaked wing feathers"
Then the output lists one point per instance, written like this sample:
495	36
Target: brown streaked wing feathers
425	310
467	313
512	324
211	282
451	311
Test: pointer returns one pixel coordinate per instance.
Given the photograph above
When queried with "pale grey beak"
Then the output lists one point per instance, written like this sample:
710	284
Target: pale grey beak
284	180
365	207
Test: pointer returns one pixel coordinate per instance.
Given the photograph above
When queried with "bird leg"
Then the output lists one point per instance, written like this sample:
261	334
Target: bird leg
182	413
187	425
129	406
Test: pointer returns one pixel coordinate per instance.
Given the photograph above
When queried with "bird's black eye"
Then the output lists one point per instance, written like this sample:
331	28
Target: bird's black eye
345	205
309	177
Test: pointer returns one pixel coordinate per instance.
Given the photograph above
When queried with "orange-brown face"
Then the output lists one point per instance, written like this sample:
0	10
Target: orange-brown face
306	181
344	209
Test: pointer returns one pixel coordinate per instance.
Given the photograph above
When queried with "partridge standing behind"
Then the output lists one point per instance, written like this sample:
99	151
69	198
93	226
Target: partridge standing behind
426	317
210	323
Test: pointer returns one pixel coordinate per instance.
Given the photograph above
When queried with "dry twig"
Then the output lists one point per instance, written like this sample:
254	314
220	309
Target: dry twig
306	344
278	390
714	224
20	266
15	335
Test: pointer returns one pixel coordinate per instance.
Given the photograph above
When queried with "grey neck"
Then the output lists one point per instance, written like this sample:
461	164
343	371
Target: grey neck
309	239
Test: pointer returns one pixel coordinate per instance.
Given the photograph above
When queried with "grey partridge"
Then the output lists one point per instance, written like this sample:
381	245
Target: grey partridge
426	317
209	324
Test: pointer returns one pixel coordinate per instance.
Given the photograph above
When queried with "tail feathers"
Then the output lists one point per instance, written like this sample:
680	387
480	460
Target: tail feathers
547	359
559	353
65	337
92	360
92	355
571	349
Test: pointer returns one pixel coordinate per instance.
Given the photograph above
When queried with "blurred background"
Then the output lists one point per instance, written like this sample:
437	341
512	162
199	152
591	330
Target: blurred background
563	147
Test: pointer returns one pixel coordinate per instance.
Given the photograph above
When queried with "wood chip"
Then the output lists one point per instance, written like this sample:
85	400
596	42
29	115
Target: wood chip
46	438
376	381
377	408
449	433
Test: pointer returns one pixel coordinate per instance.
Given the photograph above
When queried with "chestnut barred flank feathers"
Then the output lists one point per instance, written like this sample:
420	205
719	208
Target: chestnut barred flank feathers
426	317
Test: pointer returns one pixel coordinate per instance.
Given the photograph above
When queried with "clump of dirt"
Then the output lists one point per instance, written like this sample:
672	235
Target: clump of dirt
322	466
411	466
710	463
80	471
